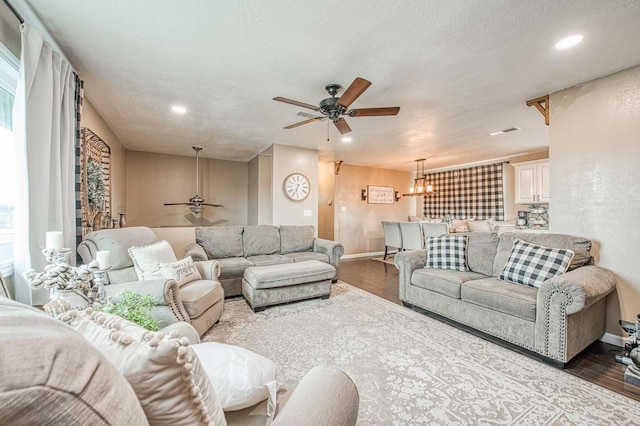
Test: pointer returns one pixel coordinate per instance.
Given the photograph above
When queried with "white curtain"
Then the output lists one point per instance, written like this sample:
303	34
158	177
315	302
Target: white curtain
44	129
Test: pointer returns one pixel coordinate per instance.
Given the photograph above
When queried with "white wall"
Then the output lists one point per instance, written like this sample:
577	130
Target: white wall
594	152
287	160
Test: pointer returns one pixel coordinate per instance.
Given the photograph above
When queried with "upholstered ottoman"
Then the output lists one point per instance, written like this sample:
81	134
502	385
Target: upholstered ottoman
264	286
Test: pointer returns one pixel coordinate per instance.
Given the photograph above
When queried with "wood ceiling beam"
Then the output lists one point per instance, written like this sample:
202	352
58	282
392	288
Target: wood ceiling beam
544	109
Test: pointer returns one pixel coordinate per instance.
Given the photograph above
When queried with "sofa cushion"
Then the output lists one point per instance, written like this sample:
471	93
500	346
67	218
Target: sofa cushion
443	281
447	252
501	296
532	265
220	241
183	271
147	259
233	267
274	276
260	239
198	296
155	365
481	251
296	238
269	259
301	256
580	246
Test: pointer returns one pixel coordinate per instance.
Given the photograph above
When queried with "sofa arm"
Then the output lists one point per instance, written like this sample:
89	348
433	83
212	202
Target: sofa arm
333	249
196	251
165	291
576	290
324	396
209	269
570	311
406	262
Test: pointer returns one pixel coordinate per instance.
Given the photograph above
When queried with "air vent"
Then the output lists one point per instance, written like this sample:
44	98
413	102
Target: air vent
499	132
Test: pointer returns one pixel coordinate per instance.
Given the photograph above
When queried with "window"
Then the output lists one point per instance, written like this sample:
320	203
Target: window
8	173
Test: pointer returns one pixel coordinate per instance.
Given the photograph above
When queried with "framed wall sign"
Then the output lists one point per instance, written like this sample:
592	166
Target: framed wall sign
380	194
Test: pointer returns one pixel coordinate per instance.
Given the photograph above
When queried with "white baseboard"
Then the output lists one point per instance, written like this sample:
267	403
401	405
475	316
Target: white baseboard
355	256
613	339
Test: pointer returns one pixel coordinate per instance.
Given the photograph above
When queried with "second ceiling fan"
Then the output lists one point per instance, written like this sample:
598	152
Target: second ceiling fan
333	107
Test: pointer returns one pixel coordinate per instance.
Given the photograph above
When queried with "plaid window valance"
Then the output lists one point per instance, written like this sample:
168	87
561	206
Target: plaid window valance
475	192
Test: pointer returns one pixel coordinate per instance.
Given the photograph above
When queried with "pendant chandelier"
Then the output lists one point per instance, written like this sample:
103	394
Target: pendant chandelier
420	185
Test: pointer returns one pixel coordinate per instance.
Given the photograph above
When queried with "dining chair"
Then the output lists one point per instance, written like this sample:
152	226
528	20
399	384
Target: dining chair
411	236
433	230
392	237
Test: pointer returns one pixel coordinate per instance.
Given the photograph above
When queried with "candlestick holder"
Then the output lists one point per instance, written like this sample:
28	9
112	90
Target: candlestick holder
56	256
98	275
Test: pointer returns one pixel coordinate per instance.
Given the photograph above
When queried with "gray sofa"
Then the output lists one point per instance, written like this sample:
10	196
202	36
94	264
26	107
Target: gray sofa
555	321
198	303
53	374
238	247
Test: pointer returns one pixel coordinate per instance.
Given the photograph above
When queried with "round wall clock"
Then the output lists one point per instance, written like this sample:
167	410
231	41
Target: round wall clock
296	187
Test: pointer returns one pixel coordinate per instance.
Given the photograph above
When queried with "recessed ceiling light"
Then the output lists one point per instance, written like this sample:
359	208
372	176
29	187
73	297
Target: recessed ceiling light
570	41
346	139
179	109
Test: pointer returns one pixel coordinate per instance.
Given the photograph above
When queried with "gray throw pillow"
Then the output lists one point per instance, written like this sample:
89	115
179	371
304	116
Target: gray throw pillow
295	239
260	239
220	242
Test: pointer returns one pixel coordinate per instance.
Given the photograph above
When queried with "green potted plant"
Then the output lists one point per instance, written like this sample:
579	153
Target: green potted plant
134	307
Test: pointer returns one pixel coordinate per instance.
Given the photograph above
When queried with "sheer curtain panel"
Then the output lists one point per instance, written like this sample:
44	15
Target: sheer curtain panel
44	126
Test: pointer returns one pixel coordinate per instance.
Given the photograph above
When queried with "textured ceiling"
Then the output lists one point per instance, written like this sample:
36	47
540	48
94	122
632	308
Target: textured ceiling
458	69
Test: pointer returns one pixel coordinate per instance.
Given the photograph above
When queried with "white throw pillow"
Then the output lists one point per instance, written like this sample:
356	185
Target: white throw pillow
147	259
183	271
241	378
162	369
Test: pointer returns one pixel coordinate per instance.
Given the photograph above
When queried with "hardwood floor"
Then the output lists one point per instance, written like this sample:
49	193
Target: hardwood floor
595	364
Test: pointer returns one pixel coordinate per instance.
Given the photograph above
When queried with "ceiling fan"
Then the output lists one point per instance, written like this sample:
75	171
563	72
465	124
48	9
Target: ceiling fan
333	107
196	203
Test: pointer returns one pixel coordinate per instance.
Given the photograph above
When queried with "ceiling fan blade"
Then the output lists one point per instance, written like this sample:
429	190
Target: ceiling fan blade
212	205
311	120
342	126
373	112
177	204
297	103
352	93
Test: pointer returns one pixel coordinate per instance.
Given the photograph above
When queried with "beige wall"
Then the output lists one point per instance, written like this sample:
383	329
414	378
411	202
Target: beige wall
357	223
326	204
92	120
594	169
155	179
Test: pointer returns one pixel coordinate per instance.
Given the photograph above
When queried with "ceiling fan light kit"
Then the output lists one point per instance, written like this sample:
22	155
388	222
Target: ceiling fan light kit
196	203
333	107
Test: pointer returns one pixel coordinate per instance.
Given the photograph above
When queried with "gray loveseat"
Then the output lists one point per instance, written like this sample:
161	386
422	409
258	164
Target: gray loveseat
557	321
238	247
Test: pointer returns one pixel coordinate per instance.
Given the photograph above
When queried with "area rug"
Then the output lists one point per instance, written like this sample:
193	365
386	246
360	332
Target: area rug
412	369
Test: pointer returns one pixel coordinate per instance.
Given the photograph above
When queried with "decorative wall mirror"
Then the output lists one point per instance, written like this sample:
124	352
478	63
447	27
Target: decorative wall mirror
95	182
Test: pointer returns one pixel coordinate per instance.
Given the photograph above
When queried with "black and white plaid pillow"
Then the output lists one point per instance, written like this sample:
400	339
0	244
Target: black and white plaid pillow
532	265
447	252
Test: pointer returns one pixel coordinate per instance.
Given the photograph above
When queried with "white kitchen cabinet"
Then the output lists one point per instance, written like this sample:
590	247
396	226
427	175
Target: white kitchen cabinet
532	182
